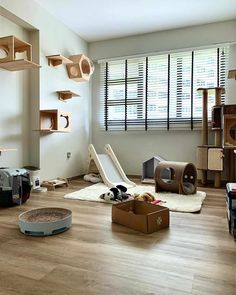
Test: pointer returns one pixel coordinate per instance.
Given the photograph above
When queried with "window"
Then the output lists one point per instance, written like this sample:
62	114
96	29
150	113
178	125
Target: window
161	91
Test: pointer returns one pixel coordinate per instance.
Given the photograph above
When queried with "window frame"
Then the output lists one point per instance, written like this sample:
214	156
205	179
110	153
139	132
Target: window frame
145	123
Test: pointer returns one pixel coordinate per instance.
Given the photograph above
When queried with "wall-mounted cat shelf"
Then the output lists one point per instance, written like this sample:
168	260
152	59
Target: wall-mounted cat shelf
64	95
232	74
81	69
57	59
6	150
54	121
9	47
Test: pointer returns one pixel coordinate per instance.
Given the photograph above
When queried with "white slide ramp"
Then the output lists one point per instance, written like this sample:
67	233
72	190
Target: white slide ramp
109	167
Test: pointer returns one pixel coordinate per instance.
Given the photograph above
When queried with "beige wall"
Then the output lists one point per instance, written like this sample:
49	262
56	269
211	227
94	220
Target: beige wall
132	148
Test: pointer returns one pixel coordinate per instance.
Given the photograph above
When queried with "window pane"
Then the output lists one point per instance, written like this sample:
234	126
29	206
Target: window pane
180	85
135	89
116	92
205	76
157	87
116	112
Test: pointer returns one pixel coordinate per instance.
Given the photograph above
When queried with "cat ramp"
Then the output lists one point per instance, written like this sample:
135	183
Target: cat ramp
108	167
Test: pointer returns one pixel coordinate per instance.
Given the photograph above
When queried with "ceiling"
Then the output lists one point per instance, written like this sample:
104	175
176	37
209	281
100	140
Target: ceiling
95	20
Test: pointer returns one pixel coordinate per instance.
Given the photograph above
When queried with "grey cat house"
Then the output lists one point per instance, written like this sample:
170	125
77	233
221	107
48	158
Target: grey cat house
149	167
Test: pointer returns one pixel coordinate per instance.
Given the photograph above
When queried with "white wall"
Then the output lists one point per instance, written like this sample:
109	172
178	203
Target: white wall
54	38
14	106
132	148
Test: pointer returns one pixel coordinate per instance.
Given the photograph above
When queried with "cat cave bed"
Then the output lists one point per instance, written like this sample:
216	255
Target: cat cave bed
176	177
45	221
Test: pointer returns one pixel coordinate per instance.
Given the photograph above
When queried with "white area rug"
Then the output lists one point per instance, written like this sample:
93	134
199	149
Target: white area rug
175	202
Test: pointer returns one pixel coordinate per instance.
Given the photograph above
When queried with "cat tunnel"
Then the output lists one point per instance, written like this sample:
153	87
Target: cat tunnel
176	177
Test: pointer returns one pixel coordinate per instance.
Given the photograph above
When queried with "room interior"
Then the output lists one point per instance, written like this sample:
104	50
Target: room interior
195	252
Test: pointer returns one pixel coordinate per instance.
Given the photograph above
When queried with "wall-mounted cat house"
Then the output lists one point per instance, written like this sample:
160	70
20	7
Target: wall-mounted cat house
81	69
10	46
54	121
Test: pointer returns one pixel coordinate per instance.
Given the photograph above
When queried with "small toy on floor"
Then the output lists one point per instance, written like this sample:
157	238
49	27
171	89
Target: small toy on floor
156	202
117	194
147	197
92	177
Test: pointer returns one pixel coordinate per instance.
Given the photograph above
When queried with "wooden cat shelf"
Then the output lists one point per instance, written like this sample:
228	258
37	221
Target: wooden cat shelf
57	59
64	95
232	74
6	150
52	184
9	47
54	121
212	90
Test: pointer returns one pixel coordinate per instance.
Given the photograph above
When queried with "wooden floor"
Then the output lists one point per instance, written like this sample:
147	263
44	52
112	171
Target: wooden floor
196	255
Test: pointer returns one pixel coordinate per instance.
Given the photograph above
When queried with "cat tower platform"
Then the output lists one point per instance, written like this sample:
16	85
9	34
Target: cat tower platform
108	167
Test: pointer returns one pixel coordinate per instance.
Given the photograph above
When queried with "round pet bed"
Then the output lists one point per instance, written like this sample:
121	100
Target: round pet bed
45	221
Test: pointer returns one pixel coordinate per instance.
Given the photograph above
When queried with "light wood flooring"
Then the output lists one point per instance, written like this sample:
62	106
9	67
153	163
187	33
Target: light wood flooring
196	255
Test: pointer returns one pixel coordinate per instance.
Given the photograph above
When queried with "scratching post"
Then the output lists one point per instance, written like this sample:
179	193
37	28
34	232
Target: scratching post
210	157
205	118
204	128
218	139
218	135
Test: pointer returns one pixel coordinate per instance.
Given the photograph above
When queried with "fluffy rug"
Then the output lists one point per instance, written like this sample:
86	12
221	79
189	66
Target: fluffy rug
175	202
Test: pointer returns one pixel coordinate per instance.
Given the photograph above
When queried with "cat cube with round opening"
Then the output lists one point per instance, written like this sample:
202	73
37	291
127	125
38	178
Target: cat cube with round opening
54	120
45	221
176	177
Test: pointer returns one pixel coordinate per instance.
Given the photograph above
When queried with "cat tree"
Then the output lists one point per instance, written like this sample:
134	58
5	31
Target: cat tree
210	157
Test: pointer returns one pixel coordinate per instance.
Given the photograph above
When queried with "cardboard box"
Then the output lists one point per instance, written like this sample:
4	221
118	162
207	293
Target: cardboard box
141	216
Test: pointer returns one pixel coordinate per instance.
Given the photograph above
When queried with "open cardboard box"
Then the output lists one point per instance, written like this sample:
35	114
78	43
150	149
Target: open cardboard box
141	216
